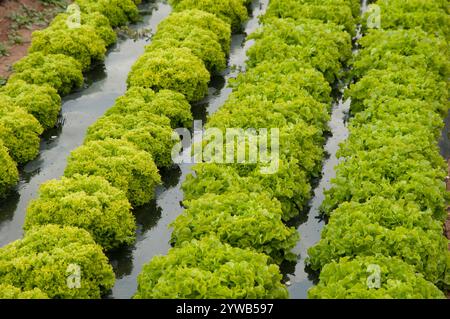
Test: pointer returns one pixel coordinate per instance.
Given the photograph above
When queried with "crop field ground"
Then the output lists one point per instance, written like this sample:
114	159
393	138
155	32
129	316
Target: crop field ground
224	149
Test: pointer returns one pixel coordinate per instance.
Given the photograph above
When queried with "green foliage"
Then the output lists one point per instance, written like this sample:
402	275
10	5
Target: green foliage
348	279
388	198
400	83
82	43
323	46
3	49
203	20
164	102
87	202
11	292
288	72
233	12
9	174
383	48
244	220
204	44
118	12
430	16
385	227
121	164
56	70
288	184
418	113
101	25
148	132
406	136
327	12
174	69
96	21
292	103
254	106
209	269
42	101
15	38
355	5
42	258
413	125
299	142
19	131
302	144
396	171
254	112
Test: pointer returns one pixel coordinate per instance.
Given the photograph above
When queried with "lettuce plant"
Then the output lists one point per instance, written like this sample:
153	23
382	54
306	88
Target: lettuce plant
288	184
148	132
120	163
298	142
201	19
204	44
167	103
430	16
401	82
56	70
209	269
323	46
393	171
348	279
41	101
292	103
176	69
287	72
118	12
380	47
11	292
327	12
48	255
420	113
9	175
82	43
244	220
95	20
354	5
232	12
19	131
384	227
245	109
87	202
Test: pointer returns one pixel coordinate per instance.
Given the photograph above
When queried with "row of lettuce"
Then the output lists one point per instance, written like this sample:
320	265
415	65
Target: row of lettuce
387	204
58	55
232	235
36	266
88	211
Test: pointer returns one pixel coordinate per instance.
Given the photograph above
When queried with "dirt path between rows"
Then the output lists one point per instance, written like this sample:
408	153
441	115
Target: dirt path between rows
18	19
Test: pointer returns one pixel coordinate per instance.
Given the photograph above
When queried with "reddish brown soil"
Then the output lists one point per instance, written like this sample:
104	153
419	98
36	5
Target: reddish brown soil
17	51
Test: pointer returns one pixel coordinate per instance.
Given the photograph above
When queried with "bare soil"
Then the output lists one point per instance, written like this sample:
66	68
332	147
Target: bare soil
13	15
